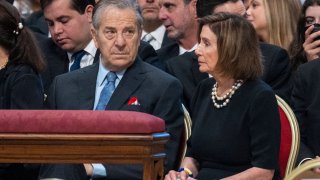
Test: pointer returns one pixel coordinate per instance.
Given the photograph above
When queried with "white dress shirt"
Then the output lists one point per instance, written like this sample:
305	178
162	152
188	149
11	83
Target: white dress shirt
157	35
88	58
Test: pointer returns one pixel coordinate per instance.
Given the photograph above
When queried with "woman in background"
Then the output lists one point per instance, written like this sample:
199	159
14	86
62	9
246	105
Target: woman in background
20	65
306	45
275	21
236	125
306	91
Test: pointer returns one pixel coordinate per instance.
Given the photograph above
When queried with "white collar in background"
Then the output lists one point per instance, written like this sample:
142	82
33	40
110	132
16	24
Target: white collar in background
90	48
182	50
158	34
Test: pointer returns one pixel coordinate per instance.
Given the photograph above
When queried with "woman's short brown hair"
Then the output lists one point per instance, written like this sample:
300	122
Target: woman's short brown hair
237	44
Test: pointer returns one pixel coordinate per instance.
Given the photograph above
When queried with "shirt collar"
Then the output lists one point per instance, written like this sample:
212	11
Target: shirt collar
103	71
183	50
157	34
90	49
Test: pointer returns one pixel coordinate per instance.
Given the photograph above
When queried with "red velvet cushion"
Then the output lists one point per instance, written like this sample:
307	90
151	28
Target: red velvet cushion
79	121
285	143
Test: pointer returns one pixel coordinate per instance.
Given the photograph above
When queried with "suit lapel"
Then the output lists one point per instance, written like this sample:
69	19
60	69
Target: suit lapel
97	56
131	80
86	84
166	40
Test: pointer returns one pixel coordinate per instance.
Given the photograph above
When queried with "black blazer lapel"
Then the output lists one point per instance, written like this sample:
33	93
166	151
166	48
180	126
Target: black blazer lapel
131	80
96	56
166	40
86	83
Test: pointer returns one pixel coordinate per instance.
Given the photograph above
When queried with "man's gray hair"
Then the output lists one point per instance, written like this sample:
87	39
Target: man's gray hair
102	5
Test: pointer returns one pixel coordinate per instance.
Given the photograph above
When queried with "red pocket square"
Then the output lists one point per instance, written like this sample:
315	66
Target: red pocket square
133	101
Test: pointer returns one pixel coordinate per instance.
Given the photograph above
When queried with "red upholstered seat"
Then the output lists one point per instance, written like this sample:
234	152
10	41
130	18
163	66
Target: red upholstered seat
79	121
290	137
286	141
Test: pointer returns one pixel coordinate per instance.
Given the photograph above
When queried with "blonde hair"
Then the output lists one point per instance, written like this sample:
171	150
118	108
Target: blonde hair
282	17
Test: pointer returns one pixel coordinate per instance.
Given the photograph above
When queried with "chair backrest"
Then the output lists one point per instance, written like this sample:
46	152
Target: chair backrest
185	135
305	171
187	128
290	138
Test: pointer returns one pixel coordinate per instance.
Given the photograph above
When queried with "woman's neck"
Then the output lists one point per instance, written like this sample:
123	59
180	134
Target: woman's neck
4	56
224	85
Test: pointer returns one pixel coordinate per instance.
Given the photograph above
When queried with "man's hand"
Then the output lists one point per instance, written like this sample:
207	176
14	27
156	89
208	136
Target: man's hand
89	169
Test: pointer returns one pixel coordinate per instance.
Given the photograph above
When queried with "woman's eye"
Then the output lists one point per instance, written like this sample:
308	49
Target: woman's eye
309	20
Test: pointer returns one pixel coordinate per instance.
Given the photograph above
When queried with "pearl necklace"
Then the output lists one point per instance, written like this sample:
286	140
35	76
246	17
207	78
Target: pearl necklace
226	98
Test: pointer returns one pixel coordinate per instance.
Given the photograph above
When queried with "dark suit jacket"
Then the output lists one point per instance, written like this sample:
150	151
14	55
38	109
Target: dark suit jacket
147	53
276	71
58	62
306	103
37	23
167	52
158	93
166	40
20	88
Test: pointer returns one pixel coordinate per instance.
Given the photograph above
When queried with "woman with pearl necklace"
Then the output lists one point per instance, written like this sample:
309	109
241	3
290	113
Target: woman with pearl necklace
235	118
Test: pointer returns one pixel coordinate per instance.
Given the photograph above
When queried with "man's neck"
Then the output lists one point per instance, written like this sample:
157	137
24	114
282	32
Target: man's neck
189	39
150	26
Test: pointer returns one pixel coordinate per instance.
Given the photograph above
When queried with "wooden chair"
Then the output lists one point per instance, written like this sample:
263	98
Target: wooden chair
185	135
82	136
290	138
305	171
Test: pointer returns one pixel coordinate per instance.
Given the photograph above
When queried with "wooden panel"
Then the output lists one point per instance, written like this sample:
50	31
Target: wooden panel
147	149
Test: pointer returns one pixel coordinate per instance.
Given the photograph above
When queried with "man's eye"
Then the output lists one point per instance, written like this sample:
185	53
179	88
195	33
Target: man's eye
129	33
109	34
168	6
64	20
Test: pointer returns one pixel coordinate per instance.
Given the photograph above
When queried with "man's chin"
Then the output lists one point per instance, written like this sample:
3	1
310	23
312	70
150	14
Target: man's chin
67	48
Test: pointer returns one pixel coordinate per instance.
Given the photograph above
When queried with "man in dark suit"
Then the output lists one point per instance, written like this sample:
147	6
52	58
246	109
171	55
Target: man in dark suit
154	31
181	25
69	23
117	31
276	72
306	103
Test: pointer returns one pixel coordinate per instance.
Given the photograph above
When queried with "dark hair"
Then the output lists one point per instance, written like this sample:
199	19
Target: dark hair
237	45
78	5
296	51
18	41
206	7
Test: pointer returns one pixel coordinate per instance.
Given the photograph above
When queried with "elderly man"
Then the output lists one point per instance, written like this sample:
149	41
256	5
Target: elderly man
110	84
71	46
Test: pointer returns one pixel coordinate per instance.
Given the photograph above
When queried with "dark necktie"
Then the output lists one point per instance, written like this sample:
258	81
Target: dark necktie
77	59
107	91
